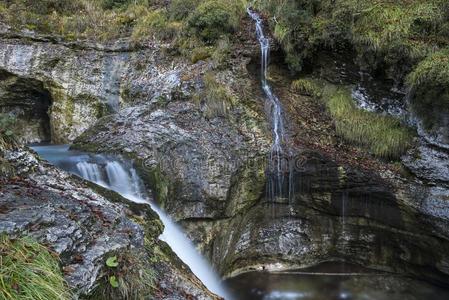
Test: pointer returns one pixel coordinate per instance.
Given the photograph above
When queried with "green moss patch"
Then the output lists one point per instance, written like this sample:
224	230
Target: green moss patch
28	270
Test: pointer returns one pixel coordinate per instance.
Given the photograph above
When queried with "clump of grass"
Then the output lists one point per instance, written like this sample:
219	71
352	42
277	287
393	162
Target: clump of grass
125	275
29	270
200	53
214	100
306	87
383	136
154	23
401	26
222	52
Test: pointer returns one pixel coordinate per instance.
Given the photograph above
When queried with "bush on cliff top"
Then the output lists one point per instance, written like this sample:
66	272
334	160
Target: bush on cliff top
382	31
106	20
29	270
213	19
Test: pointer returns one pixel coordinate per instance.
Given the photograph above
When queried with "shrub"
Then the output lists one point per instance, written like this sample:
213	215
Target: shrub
180	9
213	19
384	136
29	270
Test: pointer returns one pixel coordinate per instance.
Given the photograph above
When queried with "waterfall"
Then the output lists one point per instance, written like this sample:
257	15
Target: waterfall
279	156
123	179
128	184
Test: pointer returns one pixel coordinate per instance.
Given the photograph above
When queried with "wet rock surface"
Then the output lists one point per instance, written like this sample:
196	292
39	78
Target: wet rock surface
84	223
195	164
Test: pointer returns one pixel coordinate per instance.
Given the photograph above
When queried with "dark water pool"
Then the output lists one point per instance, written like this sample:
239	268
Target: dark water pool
332	281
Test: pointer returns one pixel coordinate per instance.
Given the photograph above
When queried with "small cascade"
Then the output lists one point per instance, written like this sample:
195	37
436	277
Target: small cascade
91	172
123	179
279	166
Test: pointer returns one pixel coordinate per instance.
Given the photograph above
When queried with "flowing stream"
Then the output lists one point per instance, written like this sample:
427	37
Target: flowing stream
121	177
279	155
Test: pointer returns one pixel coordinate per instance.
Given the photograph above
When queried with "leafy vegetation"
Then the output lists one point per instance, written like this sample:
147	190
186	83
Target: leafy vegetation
383	136
105	20
213	19
198	29
383	32
29	270
126	275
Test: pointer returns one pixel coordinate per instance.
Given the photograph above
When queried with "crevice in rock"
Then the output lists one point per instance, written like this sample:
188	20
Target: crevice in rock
28	102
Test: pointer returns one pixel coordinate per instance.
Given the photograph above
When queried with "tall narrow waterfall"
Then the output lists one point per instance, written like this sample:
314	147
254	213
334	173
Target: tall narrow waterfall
279	168
122	178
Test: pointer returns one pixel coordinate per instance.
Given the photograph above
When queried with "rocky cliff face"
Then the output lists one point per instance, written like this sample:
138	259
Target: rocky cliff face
75	83
203	176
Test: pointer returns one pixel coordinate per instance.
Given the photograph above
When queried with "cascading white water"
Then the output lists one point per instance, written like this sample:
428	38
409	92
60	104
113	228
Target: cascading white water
128	184
91	172
273	105
115	175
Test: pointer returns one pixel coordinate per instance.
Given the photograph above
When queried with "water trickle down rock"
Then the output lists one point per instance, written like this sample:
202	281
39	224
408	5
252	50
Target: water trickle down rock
278	168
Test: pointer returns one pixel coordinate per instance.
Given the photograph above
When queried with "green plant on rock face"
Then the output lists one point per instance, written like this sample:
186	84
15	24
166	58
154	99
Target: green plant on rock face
29	270
200	53
126	275
214	100
429	82
213	19
7	123
384	136
393	34
306	87
222	52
